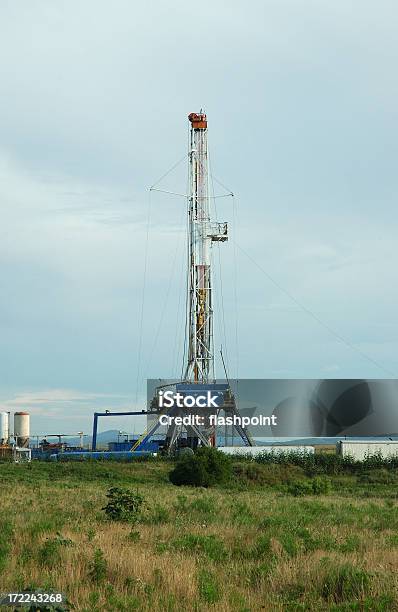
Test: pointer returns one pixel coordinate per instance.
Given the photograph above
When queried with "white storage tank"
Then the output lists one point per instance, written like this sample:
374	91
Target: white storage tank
4	427
271	449
21	428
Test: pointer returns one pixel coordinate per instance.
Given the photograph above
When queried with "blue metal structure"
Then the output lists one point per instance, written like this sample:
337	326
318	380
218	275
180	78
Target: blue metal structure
108	414
151	446
45	455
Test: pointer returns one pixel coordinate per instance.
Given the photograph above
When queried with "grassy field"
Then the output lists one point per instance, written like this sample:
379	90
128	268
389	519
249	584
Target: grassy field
276	538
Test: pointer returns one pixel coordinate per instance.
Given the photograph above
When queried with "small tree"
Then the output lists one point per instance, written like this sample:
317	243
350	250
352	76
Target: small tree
205	468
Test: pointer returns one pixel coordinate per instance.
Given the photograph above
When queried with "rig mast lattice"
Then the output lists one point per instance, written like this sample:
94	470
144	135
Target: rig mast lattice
201	233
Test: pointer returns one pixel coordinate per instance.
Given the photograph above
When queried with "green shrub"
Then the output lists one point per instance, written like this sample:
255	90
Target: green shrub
205	468
98	567
123	505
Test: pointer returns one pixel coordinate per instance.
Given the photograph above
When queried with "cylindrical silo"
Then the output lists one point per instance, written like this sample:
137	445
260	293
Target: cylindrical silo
21	428
4	427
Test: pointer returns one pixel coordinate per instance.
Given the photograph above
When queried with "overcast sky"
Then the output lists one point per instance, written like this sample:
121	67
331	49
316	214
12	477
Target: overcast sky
302	101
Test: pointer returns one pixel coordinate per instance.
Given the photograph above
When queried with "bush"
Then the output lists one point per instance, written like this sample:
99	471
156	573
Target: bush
98	567
123	505
205	468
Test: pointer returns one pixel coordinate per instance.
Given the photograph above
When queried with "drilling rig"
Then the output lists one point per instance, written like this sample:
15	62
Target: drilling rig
199	375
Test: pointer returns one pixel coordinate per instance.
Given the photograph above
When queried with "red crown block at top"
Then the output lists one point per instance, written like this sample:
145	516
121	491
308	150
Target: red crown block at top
199	121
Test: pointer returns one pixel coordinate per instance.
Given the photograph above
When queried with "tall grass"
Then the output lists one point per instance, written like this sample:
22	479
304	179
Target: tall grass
250	545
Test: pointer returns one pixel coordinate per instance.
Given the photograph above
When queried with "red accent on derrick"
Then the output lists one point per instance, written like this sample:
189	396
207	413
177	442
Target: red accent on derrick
199	121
